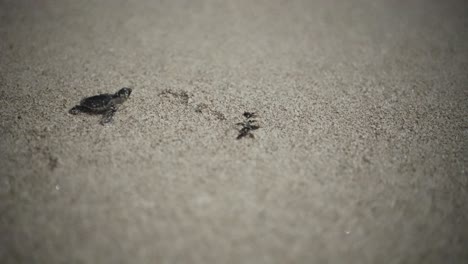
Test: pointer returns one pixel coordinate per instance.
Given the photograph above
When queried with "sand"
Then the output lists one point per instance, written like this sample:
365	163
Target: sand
361	156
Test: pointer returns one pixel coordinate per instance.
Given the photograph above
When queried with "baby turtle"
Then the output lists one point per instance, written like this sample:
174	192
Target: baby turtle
248	125
105	104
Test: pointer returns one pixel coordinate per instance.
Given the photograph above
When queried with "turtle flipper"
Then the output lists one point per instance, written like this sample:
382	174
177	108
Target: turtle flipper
108	115
77	109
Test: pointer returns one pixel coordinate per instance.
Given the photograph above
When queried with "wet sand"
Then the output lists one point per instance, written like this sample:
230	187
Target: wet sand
361	156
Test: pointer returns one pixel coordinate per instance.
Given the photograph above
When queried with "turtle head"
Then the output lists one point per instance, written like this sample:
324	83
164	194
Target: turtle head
124	93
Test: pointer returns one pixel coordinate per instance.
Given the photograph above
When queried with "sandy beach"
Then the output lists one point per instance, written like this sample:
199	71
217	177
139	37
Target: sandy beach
361	155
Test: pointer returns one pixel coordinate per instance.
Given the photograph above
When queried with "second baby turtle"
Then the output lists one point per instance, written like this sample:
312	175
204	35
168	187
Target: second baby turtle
248	125
105	104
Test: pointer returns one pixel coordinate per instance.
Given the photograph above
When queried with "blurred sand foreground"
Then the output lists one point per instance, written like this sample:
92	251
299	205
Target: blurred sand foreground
361	156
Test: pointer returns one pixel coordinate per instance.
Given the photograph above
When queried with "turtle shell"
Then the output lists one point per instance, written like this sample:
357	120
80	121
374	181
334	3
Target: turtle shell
97	102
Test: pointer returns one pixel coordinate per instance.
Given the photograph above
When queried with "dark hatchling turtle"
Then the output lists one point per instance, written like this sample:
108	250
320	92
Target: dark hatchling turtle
248	125
104	104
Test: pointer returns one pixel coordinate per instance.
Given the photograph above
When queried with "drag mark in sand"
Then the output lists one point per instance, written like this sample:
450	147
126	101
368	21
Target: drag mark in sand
184	98
202	107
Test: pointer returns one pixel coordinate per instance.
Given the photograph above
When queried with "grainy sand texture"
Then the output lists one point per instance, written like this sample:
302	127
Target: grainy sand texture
361	155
